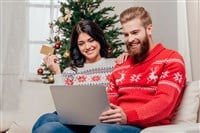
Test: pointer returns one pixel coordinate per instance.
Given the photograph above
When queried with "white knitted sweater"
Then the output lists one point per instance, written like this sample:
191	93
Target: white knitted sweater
90	74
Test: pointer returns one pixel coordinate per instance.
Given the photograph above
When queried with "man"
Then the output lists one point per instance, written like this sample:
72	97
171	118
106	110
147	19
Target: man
146	89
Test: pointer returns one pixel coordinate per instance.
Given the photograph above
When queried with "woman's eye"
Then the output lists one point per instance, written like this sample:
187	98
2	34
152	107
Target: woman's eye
91	40
80	44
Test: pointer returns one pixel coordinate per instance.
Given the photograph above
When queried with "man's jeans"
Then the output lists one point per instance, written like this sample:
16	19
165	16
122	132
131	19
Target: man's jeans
49	123
115	128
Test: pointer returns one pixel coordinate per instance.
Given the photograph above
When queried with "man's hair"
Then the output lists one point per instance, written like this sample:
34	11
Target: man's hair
136	12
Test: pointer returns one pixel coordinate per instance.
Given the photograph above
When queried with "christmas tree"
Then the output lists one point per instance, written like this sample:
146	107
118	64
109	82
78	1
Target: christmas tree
73	11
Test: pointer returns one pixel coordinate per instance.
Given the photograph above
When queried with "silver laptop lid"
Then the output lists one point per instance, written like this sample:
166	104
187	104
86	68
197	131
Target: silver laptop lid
79	105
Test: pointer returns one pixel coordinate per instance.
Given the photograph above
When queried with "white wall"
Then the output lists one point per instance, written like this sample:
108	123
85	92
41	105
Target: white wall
193	9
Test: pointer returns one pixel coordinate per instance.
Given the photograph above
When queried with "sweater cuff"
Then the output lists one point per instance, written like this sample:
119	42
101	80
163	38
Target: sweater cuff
132	117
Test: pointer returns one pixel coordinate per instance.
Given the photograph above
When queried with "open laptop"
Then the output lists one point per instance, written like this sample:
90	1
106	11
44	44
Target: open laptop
79	105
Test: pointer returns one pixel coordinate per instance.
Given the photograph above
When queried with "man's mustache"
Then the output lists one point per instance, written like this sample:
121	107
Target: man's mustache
135	41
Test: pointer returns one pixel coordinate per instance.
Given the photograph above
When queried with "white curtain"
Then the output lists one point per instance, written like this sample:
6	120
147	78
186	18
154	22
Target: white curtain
193	13
13	51
189	36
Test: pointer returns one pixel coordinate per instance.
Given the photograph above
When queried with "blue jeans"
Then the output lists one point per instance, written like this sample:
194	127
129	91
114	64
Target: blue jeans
115	128
49	123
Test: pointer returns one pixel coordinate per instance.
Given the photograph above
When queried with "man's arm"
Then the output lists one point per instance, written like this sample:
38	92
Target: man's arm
167	97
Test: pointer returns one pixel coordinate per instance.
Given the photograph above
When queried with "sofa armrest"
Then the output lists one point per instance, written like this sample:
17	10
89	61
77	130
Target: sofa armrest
187	112
181	128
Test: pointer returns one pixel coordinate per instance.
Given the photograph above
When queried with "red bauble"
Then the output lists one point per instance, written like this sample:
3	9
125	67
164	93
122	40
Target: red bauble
109	51
56	60
57	46
40	71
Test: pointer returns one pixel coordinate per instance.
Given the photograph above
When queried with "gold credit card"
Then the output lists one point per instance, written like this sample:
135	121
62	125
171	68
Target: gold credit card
46	50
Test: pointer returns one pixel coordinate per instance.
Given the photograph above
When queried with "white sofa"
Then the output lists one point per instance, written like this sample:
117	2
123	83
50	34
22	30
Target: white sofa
36	101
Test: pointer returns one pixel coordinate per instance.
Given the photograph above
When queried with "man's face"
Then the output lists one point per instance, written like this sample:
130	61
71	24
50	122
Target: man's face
136	39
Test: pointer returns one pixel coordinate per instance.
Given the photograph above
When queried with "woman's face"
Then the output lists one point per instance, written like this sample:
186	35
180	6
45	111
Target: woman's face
89	47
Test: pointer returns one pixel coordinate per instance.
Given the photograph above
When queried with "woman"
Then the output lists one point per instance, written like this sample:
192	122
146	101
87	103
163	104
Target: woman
88	65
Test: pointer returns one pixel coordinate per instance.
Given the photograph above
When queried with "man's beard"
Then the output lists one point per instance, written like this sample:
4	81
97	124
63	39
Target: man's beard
142	53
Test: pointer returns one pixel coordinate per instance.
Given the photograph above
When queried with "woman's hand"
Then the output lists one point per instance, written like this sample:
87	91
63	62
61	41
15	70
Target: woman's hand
51	62
114	114
121	58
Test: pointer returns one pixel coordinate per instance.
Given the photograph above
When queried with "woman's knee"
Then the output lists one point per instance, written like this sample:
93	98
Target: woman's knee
45	118
50	117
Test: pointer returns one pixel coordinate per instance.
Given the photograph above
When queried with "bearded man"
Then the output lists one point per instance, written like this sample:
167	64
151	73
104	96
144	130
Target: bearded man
146	89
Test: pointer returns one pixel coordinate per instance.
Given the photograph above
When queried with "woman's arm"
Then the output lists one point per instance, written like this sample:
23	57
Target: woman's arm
52	63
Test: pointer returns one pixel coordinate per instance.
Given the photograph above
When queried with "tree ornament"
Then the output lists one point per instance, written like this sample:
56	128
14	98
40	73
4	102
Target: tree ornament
66	54
62	9
57	46
61	42
109	51
40	71
51	25
50	79
56	38
61	19
56	60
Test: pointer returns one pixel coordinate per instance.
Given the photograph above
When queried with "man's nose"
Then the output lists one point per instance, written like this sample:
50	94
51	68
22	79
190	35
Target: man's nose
130	38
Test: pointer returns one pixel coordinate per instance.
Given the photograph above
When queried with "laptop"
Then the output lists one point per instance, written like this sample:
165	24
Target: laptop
79	105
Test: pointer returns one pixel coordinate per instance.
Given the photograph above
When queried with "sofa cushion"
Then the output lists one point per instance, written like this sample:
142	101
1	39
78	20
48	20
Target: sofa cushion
188	110
181	128
35	100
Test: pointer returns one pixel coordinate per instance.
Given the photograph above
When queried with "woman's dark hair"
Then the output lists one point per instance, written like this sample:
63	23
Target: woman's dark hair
92	29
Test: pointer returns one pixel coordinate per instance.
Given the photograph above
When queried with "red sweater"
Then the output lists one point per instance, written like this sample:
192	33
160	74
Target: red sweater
149	92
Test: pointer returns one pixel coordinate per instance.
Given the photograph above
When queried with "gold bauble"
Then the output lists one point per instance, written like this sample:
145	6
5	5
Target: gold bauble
66	54
50	79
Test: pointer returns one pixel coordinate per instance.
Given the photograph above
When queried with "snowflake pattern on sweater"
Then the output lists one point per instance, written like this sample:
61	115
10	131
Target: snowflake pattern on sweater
91	74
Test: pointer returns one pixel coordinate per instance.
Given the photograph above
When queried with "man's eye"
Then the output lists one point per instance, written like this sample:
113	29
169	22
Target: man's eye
125	35
134	32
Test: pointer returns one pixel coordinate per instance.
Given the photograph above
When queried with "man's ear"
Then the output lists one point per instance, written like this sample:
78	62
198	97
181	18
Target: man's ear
149	29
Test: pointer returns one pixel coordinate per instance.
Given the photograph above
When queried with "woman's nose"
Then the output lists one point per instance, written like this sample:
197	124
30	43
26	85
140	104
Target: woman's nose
87	46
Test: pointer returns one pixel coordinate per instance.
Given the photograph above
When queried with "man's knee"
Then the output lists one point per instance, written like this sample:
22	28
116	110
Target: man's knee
101	128
52	127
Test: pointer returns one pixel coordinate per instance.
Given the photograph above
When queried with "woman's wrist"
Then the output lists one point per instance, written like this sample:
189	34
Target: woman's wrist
57	71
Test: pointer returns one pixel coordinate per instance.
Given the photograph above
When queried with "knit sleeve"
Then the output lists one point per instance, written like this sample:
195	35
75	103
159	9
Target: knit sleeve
170	88
112	89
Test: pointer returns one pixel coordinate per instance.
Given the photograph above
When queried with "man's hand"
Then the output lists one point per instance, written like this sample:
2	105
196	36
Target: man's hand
121	58
114	114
